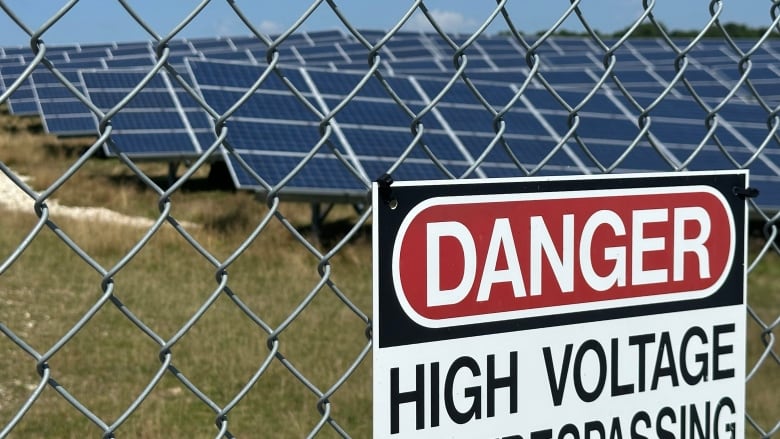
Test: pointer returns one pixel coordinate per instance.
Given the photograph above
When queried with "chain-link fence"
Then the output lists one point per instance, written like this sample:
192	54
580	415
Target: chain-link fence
212	312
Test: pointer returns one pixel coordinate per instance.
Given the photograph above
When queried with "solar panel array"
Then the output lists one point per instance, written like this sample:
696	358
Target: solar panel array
442	129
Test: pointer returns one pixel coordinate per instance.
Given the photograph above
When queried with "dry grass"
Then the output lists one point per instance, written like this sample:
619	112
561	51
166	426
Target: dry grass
108	363
763	389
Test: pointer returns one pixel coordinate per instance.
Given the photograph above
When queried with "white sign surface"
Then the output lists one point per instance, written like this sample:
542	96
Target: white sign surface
673	375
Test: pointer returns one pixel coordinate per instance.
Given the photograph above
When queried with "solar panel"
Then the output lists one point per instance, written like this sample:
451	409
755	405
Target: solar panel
22	101
153	124
242	75
44	94
369	128
129	61
89	54
240	55
132	49
322	176
274	131
322	36
61	111
207	45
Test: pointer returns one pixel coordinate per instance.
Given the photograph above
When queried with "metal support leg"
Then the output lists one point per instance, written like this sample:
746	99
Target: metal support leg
172	168
316	221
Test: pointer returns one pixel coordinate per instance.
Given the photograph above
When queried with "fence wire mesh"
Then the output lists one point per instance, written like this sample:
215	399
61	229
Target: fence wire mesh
256	325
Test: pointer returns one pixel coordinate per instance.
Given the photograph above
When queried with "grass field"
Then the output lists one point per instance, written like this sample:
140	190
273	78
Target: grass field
109	362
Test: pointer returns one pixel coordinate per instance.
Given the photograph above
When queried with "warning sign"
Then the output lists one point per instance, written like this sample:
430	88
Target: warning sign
589	307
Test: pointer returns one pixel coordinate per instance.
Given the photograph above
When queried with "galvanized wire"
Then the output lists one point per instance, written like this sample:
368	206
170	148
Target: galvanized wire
459	50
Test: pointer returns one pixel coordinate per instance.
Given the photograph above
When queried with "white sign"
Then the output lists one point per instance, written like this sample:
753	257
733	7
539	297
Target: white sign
598	308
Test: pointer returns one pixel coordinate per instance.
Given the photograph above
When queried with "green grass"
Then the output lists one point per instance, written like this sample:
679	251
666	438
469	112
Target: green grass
110	361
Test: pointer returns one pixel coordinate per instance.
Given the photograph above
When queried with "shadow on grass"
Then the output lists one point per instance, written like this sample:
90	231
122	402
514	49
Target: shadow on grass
218	179
330	233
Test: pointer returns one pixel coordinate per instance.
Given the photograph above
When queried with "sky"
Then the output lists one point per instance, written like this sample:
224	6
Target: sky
100	21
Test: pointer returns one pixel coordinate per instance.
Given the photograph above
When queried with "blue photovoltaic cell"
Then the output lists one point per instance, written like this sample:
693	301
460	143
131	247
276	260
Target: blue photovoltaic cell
53	92
184	97
419	65
64	107
154	144
380	143
510	62
277	137
641	158
87	55
245	41
198	119
735	111
325	35
205	138
676	108
410	52
329	83
509	170
210	44
22	100
43	77
322	175
259	105
613	128
129	61
469	120
14	51
132	50
378	113
499	47
121	80
544	100
71	124
151	124
474	62
504	76
574	45
230	56
148	98
519	121
178	61
412	170
460	93
572	58
240	75
391	144
143	120
283	54
402	86
329	51
529	151
569	78
61	111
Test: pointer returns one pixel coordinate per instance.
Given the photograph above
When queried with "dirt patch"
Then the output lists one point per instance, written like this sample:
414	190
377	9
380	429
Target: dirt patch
13	198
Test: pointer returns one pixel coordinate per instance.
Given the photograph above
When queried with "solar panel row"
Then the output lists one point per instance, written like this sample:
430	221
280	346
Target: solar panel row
330	139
